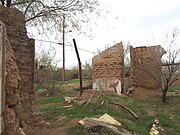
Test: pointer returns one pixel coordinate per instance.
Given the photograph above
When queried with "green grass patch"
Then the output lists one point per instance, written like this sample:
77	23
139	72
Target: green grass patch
174	88
168	113
73	81
48	100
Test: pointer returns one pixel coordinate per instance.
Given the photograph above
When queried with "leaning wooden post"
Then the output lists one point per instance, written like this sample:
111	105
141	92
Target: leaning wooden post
80	69
63	44
2	75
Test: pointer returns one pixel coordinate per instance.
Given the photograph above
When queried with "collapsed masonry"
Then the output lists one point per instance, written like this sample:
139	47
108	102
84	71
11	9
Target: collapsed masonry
107	69
19	111
146	65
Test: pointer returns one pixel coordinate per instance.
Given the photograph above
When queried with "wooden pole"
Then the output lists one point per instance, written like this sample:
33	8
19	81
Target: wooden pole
2	75
63	43
80	68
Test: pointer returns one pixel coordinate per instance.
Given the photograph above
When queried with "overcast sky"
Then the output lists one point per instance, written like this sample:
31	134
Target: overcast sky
142	22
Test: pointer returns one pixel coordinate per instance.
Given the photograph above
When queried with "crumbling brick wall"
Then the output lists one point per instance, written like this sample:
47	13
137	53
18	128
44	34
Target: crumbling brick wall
107	68
146	66
20	94
10	94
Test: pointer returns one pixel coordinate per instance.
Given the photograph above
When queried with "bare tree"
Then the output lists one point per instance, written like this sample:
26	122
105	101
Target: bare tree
171	62
162	67
47	75
47	15
127	59
87	70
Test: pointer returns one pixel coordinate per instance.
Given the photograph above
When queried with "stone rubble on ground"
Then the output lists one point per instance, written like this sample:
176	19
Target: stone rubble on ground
171	94
156	129
106	118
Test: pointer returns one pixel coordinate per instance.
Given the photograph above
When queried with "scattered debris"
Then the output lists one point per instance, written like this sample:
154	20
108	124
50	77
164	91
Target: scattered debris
125	107
68	106
85	101
105	121
172	94
82	102
108	119
21	131
156	129
102	103
130	90
70	99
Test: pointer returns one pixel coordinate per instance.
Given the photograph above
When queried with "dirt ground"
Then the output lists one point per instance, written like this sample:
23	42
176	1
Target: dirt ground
145	94
62	129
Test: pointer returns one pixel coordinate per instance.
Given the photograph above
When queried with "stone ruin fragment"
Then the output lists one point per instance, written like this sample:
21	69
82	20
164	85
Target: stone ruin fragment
18	110
146	66
107	69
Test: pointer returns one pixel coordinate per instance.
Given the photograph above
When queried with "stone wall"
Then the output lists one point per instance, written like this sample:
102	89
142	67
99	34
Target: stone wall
19	87
107	68
11	94
146	66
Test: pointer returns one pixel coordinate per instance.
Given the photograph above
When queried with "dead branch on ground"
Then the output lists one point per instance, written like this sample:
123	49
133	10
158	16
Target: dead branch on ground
125	107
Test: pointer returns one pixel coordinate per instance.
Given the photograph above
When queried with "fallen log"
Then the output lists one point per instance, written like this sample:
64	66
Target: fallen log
125	107
91	122
107	122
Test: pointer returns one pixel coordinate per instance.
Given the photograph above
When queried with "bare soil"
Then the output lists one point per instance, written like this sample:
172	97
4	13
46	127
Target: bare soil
145	94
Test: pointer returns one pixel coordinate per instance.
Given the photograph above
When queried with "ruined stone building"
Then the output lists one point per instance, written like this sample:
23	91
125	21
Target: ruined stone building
107	69
146	66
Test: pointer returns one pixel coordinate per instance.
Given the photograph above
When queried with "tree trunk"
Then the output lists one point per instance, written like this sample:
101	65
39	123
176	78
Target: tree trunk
164	95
